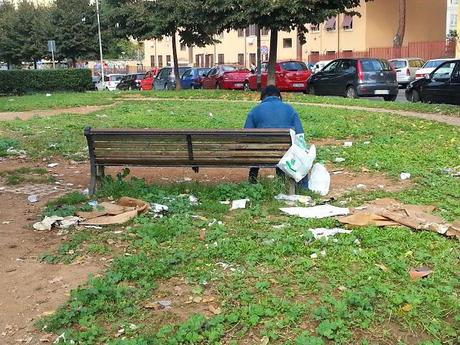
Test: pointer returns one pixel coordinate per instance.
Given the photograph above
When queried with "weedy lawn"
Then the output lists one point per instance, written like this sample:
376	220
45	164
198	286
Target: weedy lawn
238	277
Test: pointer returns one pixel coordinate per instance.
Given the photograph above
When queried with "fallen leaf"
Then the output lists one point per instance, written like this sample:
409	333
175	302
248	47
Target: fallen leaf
421	272
215	310
406	307
382	267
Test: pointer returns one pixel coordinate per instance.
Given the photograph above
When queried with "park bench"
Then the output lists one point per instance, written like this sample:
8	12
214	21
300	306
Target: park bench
214	148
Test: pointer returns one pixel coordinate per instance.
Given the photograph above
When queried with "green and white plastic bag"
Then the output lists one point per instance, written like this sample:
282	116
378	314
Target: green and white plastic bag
297	162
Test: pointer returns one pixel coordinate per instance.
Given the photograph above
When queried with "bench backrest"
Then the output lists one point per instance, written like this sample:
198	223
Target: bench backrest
187	148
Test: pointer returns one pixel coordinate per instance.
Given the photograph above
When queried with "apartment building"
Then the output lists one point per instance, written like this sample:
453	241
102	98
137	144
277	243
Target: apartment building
452	16
458	31
375	28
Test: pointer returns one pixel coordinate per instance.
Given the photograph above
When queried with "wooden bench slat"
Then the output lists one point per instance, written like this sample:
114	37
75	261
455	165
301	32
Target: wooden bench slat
196	154
124	146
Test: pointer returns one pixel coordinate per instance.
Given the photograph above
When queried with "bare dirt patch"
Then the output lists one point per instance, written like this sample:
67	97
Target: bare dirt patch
26	115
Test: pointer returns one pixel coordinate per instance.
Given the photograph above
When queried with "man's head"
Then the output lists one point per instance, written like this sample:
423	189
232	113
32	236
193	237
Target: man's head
270	91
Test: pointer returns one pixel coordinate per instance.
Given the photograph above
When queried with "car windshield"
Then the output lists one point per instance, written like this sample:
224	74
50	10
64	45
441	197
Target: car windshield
293	66
202	72
375	65
397	64
139	76
116	77
229	68
433	63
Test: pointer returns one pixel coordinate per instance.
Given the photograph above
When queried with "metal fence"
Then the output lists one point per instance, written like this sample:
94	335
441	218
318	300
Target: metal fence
423	50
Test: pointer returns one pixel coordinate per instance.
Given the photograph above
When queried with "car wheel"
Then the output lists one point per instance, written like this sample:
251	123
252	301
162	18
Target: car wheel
351	92
391	98
130	88
311	90
193	87
415	97
246	86
218	86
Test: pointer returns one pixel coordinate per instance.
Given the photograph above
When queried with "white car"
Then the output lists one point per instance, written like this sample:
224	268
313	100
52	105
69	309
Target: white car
406	68
110	82
320	65
429	67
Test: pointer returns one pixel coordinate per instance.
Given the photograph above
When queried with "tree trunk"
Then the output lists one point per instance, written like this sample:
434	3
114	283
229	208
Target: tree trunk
399	37
176	63
35	63
272	58
259	59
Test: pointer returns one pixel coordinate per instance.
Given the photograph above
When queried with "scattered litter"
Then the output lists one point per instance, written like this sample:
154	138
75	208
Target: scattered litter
317	212
361	186
339	160
225	202
85	191
32	198
382	267
265	340
239	204
297	162
404	176
421	272
348	144
101	116
48	95
454	172
391	212
366	142
271	177
14	152
69	221
93	203
326	233
94	227
187	179
47	223
53	165
320	180
193	200
292	199
406	307
215	310
323	253
124	210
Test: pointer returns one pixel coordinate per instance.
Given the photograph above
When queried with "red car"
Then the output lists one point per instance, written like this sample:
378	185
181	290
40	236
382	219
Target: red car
290	76
147	82
225	77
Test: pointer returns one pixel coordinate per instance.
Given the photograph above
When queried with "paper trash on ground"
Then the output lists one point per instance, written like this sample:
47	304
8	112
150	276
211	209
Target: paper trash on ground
326	233
239	204
61	222
322	211
303	199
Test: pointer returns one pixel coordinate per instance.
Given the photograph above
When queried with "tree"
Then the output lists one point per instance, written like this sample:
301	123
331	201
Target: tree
155	19
399	37
280	15
7	42
75	30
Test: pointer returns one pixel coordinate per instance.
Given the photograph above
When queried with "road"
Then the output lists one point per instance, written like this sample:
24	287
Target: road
401	97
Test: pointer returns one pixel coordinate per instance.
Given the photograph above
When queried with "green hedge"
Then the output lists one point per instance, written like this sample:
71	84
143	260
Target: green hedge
25	81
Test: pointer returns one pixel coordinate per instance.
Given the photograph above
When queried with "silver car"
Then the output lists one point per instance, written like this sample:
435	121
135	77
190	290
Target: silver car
406	69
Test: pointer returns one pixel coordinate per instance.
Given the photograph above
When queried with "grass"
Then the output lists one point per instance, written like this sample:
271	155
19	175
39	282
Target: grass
30	175
68	100
263	282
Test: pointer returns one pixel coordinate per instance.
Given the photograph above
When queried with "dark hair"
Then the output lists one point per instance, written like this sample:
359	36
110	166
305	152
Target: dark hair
269	91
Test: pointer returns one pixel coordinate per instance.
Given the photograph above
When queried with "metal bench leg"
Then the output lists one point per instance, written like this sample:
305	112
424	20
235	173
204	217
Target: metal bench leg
93	181
292	185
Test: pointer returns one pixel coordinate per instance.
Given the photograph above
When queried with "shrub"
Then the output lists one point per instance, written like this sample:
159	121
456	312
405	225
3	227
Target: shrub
24	81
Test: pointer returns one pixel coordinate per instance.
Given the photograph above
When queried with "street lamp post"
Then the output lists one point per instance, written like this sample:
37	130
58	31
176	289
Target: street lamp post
100	39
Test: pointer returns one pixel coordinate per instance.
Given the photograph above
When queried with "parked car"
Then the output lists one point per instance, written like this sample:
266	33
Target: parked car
165	79
354	78
95	79
429	67
441	86
147	81
289	76
320	65
406	69
191	79
130	82
110	82
225	77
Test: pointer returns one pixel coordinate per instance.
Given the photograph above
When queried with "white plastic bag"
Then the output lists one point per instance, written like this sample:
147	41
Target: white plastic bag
296	163
320	180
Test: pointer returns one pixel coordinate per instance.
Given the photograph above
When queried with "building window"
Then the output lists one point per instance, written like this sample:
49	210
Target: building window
220	59
160	61
209	60
314	27
241	59
287	42
347	22
152	60
240	32
183	46
331	24
168	60
264	32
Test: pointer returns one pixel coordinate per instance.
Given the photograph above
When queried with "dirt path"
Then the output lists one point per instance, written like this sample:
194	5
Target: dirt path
26	115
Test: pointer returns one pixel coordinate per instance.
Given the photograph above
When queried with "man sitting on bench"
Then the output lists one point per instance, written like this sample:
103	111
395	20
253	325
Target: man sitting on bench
272	112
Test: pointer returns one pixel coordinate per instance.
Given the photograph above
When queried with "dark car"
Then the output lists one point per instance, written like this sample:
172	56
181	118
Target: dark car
355	78
441	86
130	82
191	79
165	79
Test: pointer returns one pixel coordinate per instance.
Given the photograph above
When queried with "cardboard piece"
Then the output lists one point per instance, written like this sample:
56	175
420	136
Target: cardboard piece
124	210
